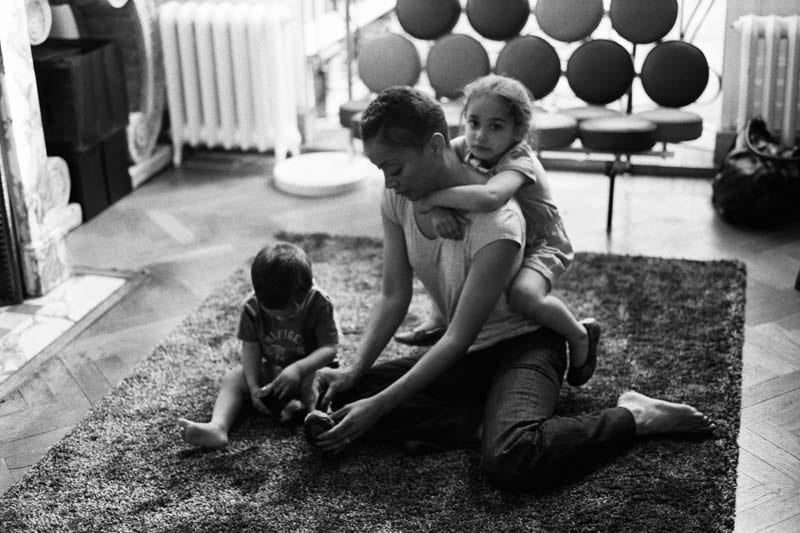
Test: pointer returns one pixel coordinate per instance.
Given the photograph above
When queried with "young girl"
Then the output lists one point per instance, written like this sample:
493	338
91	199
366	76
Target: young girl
498	112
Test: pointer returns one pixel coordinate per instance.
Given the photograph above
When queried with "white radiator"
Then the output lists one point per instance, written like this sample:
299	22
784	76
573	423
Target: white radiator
230	77
769	73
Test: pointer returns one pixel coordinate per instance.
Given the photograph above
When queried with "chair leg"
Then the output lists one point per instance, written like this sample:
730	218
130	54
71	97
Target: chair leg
612	169
611	172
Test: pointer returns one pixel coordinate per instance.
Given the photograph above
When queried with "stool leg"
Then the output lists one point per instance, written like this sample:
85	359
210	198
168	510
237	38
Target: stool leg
611	172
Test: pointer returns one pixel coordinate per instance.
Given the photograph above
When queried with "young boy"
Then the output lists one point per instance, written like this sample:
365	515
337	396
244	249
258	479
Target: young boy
288	331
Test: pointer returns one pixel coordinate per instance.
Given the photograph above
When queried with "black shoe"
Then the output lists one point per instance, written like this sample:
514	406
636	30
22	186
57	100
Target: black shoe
316	422
421	337
577	376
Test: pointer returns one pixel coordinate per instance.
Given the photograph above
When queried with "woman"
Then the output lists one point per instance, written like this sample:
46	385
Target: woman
493	372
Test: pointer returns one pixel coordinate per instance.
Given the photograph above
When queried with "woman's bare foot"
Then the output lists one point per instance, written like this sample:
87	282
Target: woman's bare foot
658	417
203	434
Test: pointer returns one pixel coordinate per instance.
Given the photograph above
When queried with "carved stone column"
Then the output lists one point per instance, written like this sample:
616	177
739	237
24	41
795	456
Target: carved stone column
38	198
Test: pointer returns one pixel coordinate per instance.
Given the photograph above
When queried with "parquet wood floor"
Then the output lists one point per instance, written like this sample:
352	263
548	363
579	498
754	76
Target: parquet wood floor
189	228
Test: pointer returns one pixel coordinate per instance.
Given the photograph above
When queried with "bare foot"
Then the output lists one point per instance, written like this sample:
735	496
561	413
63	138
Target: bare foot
658	417
203	434
294	409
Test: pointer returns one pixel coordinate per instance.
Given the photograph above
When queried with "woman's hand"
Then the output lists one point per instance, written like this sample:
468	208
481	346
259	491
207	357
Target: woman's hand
287	382
331	381
352	421
449	223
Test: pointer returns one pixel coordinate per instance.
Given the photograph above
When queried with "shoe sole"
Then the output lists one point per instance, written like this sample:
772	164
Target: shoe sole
579	376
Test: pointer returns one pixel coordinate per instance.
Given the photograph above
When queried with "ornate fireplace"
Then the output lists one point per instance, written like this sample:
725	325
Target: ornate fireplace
38	186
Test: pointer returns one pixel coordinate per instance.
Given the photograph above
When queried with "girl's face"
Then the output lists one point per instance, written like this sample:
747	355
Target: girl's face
490	128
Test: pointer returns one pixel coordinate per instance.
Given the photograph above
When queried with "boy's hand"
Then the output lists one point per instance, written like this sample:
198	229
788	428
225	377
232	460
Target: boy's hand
286	382
255	398
449	223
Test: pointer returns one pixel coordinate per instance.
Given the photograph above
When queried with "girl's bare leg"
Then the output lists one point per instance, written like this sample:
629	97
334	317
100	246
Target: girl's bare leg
530	296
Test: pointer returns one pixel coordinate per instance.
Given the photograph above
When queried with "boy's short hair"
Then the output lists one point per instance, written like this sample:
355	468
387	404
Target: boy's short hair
403	117
281	275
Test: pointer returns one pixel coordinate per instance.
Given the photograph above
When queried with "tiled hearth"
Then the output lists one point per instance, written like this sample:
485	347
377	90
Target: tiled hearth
29	329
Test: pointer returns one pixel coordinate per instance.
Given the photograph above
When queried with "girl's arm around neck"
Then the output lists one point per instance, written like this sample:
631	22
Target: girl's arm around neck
484	197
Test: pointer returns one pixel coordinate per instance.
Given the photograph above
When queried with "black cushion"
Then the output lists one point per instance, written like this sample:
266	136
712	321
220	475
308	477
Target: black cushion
600	71
624	135
389	60
569	20
643	22
533	61
674	73
424	19
591	111
552	131
454	61
674	125
498	20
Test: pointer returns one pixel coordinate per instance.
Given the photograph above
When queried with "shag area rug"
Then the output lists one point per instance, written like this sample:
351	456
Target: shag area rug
672	329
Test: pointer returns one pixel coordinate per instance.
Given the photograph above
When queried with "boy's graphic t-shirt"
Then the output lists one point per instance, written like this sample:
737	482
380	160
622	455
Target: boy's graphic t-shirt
284	341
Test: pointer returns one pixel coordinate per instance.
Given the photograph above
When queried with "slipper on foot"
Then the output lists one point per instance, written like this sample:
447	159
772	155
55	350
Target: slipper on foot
578	376
421	337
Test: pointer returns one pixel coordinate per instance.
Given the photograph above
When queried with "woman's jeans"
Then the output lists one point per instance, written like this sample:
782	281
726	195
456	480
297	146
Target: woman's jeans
510	388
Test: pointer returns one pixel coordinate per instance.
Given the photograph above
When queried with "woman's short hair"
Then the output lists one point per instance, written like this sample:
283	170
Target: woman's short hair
403	117
281	275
